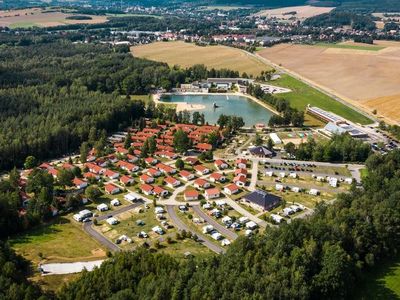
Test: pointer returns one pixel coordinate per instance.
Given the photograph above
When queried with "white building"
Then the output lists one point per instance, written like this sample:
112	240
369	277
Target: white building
314	192
112	221
275	138
102	207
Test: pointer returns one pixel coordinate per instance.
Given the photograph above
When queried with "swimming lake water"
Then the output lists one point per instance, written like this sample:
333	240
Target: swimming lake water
251	112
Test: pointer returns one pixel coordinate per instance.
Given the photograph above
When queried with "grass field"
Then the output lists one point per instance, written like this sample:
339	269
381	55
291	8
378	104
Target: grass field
303	94
381	283
187	54
351	46
60	241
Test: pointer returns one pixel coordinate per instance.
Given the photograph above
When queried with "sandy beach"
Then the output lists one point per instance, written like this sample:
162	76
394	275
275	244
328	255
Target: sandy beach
181	106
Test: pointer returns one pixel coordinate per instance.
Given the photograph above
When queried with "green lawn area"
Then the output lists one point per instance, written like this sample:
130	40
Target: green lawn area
353	47
303	94
383	282
23	25
59	241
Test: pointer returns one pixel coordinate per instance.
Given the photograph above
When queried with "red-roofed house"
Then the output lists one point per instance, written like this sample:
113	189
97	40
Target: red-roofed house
165	168
46	166
95	168
192	160
201	170
132	158
239	180
191	195
121	150
241	172
125	179
89	175
67	166
144	178
231	189
172	182
111	189
214	177
151	160
204	147
186	175
147	189
201	183
53	172
241	163
159	191
111	174
212	193
127	166
153	172
221	164
79	183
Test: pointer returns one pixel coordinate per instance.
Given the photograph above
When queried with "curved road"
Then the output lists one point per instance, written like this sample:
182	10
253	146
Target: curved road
224	231
87	227
182	226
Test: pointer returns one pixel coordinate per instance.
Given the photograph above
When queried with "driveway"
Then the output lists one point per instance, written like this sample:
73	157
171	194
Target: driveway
223	230
182	226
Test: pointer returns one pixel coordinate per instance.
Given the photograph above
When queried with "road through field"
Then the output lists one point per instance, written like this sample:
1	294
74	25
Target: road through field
322	89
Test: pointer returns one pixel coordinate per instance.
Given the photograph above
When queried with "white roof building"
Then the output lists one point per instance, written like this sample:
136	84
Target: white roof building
112	221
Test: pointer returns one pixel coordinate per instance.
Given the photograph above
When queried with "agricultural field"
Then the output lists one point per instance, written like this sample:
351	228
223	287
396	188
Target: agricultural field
187	54
39	17
299	12
302	95
367	76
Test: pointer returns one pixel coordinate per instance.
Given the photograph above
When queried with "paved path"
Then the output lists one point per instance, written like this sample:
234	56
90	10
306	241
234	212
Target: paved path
254	176
223	230
69	268
87	227
182	226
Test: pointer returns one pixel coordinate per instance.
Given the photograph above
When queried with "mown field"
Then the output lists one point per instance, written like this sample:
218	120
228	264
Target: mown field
382	283
187	54
352	46
302	95
59	241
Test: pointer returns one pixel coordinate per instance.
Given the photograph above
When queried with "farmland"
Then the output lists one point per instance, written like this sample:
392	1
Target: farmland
302	12
186	55
31	17
367	79
303	95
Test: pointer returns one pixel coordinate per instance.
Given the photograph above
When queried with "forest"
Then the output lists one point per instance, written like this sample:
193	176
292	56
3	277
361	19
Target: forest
342	18
53	93
322	257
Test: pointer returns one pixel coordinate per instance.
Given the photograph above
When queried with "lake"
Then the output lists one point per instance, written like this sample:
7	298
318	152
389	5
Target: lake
251	112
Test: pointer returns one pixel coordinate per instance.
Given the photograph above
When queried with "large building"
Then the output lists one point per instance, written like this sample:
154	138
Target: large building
261	200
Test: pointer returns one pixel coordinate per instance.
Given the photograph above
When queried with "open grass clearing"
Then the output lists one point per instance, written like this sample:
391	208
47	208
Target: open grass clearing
187	54
62	240
382	282
353	46
302	95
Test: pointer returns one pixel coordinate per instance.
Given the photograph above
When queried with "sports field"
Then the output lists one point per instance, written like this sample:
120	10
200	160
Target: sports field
187	54
42	17
366	76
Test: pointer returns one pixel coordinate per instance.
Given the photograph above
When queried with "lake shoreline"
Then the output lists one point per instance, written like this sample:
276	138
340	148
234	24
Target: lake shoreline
181	106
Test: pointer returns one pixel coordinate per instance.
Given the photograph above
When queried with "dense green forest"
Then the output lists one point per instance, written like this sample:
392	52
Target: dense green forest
13	283
342	18
322	257
52	94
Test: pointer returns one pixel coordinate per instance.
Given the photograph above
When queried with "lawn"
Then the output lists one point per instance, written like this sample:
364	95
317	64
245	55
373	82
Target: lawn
383	282
187	54
351	46
59	241
302	95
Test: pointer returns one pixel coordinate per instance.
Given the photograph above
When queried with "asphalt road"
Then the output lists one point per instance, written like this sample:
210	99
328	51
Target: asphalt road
182	226
224	231
87	227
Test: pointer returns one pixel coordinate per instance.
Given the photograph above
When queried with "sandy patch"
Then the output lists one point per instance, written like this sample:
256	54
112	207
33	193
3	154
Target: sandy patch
302	12
348	74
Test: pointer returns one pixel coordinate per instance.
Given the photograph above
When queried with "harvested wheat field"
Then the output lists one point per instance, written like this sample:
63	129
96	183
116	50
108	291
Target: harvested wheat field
41	17
302	12
368	78
186	55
